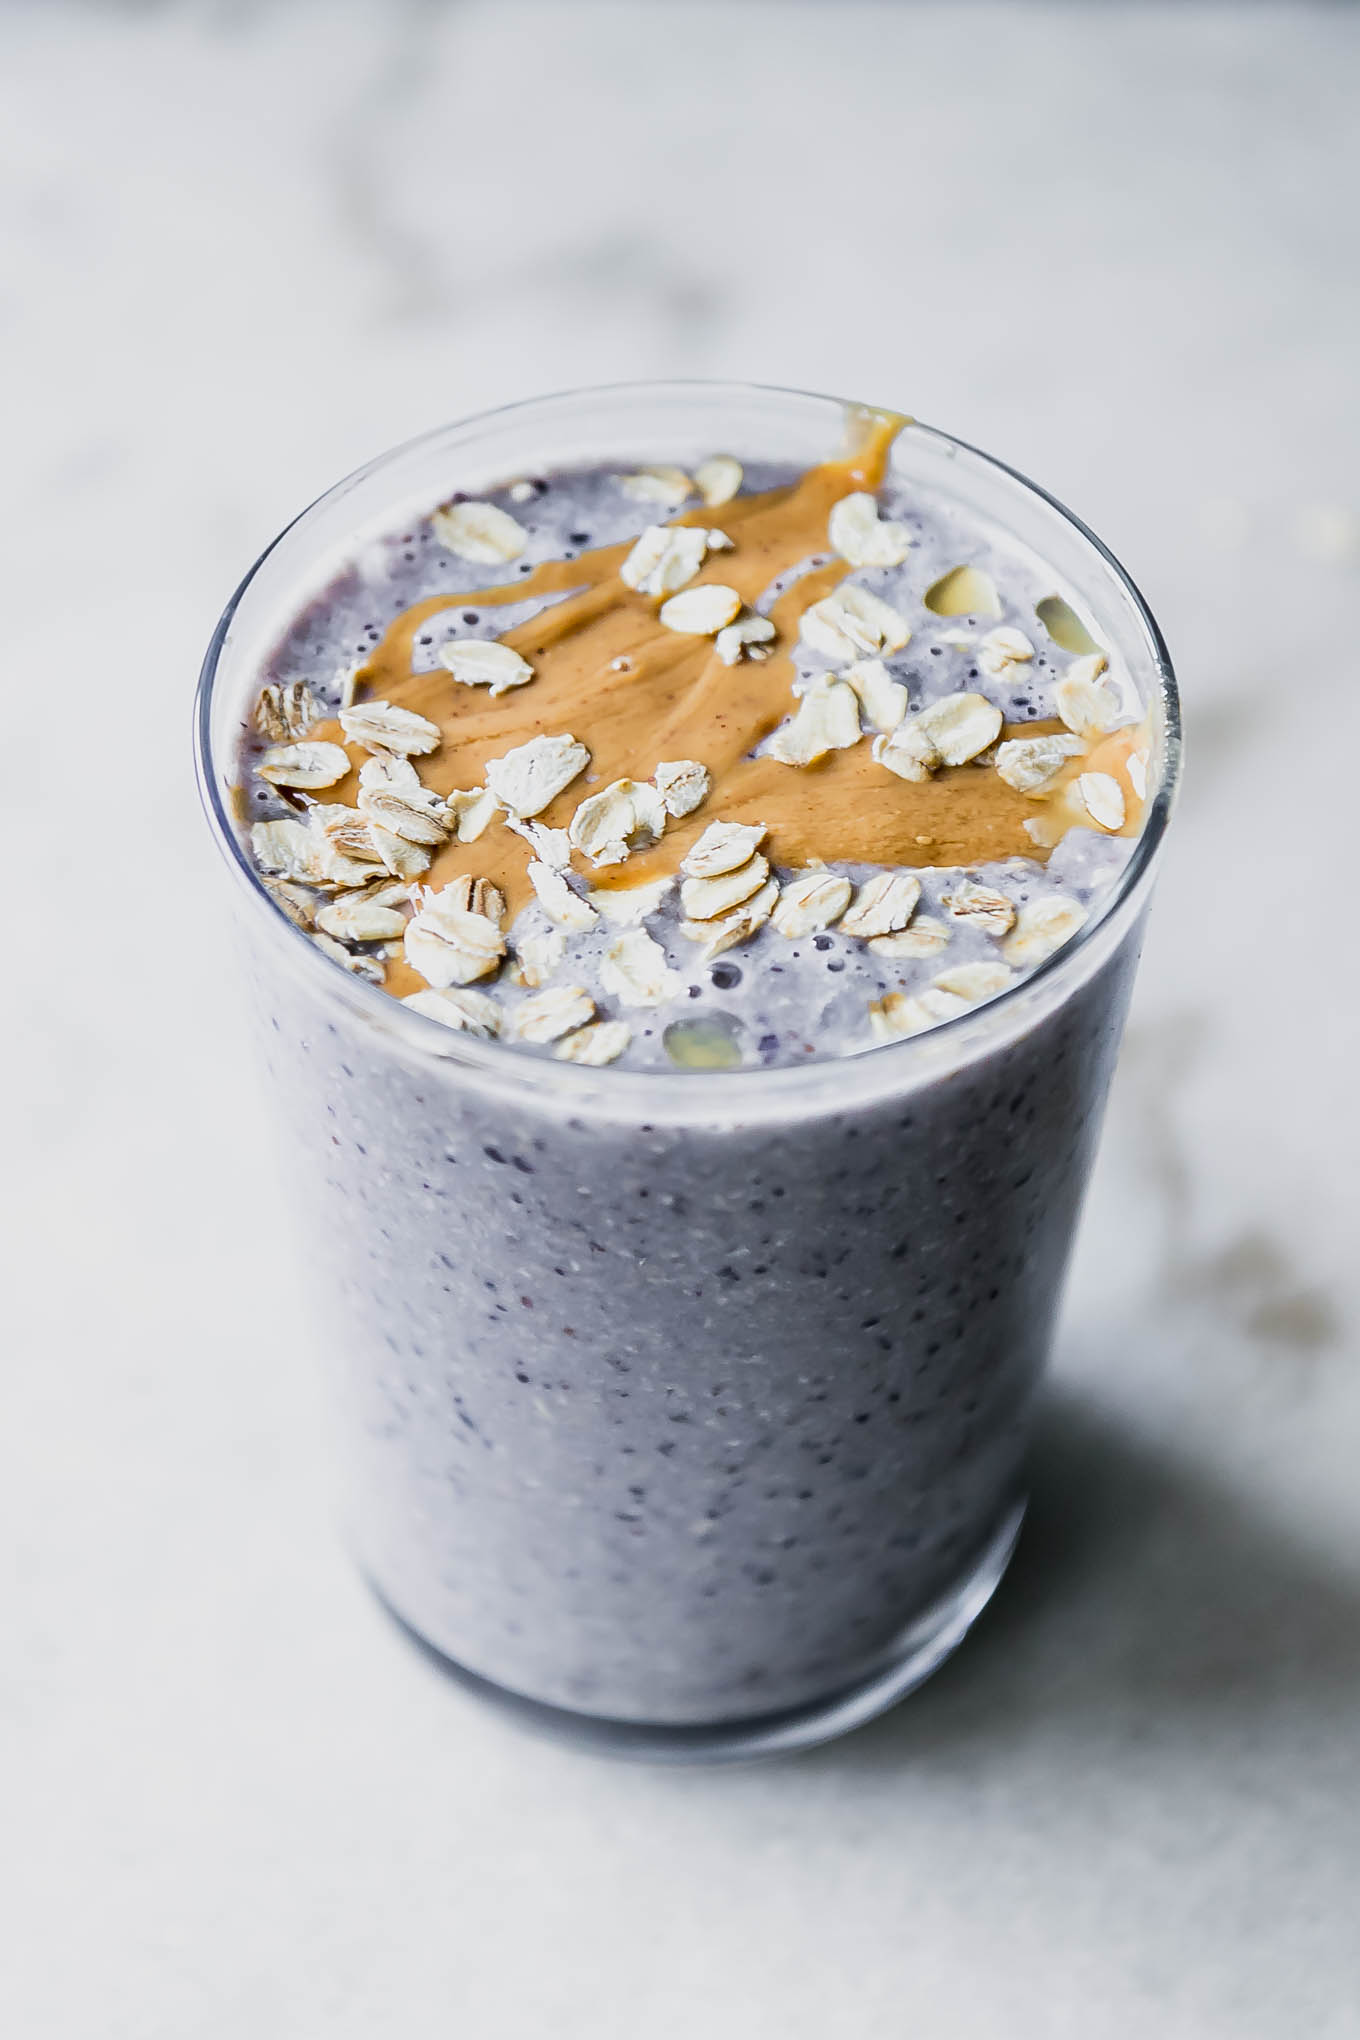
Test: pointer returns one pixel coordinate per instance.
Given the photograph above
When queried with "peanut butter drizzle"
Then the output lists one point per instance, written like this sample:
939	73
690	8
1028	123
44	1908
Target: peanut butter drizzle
1062	809
676	699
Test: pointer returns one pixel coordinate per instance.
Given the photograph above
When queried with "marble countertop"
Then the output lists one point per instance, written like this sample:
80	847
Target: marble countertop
246	247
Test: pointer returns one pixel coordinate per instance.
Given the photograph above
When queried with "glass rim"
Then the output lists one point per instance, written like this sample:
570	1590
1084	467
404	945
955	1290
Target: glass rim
897	1062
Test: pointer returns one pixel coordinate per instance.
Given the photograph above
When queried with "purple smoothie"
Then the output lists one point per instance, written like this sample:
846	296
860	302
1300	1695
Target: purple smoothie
692	1405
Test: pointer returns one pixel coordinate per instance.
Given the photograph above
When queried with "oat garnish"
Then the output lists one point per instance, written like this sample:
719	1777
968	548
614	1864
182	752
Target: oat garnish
521	492
1136	765
527	778
1086	706
1041	927
749	634
668	485
682	784
634	969
1090	666
628	906
538	955
901	1013
309	766
851	623
550	846
982	907
480	532
668	556
974	981
811	900
448	942
366	967
345	831
385	771
1002	650
860	535
961	725
952	993
557	899
358	917
1083	700
718	479
485	662
727	932
882	905
882	700
701	611
345	850
909	751
545	1016
603	1041
471	810
475	896
664	558
389	893
334	870
723	846
1029	764
286	848
925	937
382	726
391	794
402	859
286	710
949	732
826	719
609	826
1103	799
704	899
468	1012
350	678
293	900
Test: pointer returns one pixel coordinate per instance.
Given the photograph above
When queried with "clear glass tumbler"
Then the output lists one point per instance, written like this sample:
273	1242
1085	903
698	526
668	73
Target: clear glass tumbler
685	1414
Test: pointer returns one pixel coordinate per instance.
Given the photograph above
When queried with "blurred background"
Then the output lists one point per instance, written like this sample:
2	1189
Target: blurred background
245	247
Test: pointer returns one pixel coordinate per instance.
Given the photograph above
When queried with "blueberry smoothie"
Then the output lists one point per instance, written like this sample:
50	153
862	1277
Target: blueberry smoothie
696	890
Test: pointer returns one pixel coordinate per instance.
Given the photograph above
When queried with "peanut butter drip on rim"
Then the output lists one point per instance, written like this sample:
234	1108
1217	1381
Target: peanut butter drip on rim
636	693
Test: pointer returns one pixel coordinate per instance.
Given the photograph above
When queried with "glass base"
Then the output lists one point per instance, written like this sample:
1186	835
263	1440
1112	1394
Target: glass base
921	1650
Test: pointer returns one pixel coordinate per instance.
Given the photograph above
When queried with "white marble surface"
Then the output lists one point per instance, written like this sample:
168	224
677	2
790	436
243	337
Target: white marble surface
246	247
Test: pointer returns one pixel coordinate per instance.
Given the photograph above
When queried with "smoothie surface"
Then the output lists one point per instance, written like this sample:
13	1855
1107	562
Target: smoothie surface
702	770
